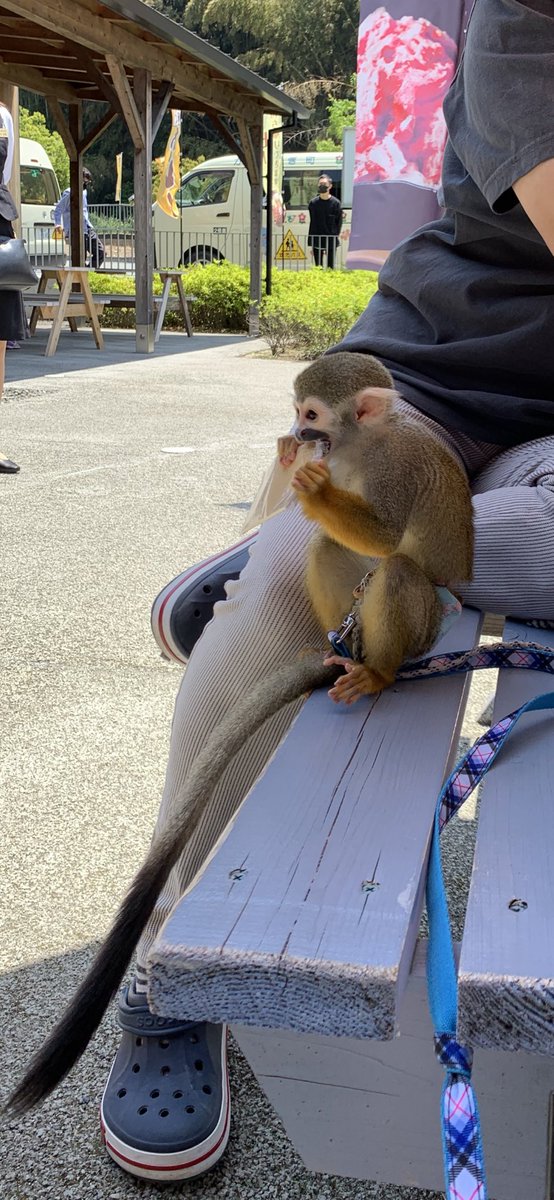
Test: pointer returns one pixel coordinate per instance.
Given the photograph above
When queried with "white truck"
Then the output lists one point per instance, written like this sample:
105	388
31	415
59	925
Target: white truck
40	192
214	212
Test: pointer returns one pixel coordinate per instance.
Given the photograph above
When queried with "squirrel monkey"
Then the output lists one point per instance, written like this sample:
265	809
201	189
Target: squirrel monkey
387	489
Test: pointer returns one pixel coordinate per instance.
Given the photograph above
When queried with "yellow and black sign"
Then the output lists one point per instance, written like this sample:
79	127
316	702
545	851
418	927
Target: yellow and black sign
290	249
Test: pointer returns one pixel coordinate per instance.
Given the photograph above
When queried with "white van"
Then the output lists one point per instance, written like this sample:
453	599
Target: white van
40	192
214	212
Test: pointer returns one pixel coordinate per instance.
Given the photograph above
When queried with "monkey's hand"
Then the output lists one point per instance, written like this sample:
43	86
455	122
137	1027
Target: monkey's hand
311	479
287	449
359	680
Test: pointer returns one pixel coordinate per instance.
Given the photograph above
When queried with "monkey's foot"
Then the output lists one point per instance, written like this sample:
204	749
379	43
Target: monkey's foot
358	681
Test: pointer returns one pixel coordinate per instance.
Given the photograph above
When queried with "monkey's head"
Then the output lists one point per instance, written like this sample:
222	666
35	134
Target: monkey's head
339	392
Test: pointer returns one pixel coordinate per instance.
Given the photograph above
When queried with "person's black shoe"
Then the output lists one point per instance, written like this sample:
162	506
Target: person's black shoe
165	1109
7	467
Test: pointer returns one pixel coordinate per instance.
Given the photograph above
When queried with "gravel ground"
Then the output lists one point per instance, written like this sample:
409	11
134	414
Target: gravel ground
100	518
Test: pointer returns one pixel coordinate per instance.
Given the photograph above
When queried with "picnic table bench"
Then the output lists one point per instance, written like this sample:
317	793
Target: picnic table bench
302	934
66	304
161	303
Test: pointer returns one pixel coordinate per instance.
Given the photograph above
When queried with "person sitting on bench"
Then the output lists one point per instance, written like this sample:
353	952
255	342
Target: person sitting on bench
463	319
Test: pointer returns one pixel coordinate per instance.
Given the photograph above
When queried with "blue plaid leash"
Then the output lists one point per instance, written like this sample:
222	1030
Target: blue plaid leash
461	1132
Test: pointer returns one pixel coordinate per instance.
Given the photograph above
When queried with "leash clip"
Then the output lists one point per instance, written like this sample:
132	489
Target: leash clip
338	637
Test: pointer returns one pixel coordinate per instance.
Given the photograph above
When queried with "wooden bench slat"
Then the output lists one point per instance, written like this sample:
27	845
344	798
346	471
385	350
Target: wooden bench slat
507	960
297	942
118	300
52	299
49	311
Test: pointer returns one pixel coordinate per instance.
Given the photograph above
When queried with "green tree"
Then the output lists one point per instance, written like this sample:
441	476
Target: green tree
33	125
309	48
285	40
341	114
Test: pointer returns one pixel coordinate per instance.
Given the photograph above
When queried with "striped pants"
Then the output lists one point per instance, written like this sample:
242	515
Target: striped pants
266	621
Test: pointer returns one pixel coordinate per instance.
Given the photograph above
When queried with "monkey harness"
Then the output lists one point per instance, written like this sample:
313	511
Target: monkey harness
349	630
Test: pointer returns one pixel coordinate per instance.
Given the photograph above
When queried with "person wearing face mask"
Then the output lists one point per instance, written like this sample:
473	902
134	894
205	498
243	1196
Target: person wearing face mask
325	223
93	246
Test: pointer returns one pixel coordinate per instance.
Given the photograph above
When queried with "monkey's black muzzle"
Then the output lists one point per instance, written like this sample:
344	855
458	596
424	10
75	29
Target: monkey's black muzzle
316	435
312	435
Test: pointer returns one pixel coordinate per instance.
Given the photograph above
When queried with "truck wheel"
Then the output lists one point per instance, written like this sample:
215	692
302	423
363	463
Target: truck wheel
201	255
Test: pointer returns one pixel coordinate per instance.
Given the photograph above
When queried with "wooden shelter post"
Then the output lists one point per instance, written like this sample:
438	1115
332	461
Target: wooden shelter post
252	139
76	186
144	236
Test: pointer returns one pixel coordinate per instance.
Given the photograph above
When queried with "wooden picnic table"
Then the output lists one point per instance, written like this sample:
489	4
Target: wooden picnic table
65	305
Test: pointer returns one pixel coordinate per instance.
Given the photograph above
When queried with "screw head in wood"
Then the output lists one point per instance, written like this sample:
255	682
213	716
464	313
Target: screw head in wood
369	885
517	905
237	873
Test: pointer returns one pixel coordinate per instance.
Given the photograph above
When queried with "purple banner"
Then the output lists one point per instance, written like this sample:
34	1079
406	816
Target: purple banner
407	56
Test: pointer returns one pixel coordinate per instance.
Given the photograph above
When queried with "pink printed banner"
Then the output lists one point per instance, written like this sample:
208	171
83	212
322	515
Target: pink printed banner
407	55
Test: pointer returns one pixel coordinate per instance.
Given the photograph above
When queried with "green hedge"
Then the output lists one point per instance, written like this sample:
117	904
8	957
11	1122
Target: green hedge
308	311
312	310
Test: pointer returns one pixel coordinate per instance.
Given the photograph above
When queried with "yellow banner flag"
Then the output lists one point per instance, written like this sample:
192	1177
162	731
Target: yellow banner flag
170	177
118	170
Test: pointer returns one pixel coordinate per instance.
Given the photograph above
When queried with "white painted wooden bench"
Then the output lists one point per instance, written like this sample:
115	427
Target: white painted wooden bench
302	933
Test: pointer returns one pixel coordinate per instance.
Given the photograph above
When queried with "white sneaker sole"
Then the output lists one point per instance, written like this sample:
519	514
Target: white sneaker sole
162	608
186	1164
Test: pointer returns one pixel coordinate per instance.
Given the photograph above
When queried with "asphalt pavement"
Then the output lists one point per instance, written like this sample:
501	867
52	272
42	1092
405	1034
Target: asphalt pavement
132	468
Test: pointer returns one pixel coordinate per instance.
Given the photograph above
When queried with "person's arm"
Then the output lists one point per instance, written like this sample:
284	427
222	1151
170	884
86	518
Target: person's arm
61	208
3	153
311	229
88	228
6	144
535	192
339	217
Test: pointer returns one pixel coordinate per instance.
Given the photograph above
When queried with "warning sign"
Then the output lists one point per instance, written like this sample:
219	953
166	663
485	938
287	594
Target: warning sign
290	249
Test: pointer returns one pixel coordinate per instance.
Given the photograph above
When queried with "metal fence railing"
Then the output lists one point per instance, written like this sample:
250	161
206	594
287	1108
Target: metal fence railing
290	249
112	212
172	249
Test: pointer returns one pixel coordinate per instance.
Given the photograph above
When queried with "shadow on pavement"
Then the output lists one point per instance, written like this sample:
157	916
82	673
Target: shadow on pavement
56	1150
77	352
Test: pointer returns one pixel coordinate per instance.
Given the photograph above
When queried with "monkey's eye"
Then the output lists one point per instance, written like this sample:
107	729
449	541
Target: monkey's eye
311	415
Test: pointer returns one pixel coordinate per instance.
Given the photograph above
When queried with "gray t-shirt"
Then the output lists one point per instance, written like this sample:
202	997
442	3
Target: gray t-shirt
464	314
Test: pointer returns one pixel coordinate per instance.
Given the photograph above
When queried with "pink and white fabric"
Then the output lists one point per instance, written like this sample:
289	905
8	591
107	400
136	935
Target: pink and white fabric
408	51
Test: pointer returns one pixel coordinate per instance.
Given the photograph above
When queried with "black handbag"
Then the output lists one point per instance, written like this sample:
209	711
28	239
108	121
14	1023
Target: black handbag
16	271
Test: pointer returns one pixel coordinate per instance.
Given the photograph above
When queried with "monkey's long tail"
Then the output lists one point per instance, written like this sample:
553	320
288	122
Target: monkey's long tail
73	1032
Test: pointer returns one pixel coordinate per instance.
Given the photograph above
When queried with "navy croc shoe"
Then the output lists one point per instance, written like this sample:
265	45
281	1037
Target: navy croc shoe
165	1111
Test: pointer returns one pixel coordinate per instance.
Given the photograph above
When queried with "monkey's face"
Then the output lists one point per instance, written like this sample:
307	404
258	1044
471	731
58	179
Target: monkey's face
315	421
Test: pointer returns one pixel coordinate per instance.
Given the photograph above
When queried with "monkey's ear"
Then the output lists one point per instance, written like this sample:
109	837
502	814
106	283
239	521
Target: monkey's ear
374	404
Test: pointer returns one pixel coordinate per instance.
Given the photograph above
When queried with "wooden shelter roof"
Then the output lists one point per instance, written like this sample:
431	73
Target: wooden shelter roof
66	49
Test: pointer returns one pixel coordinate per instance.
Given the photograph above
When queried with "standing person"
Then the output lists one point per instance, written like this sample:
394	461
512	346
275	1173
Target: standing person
94	249
12	317
325	223
463	318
